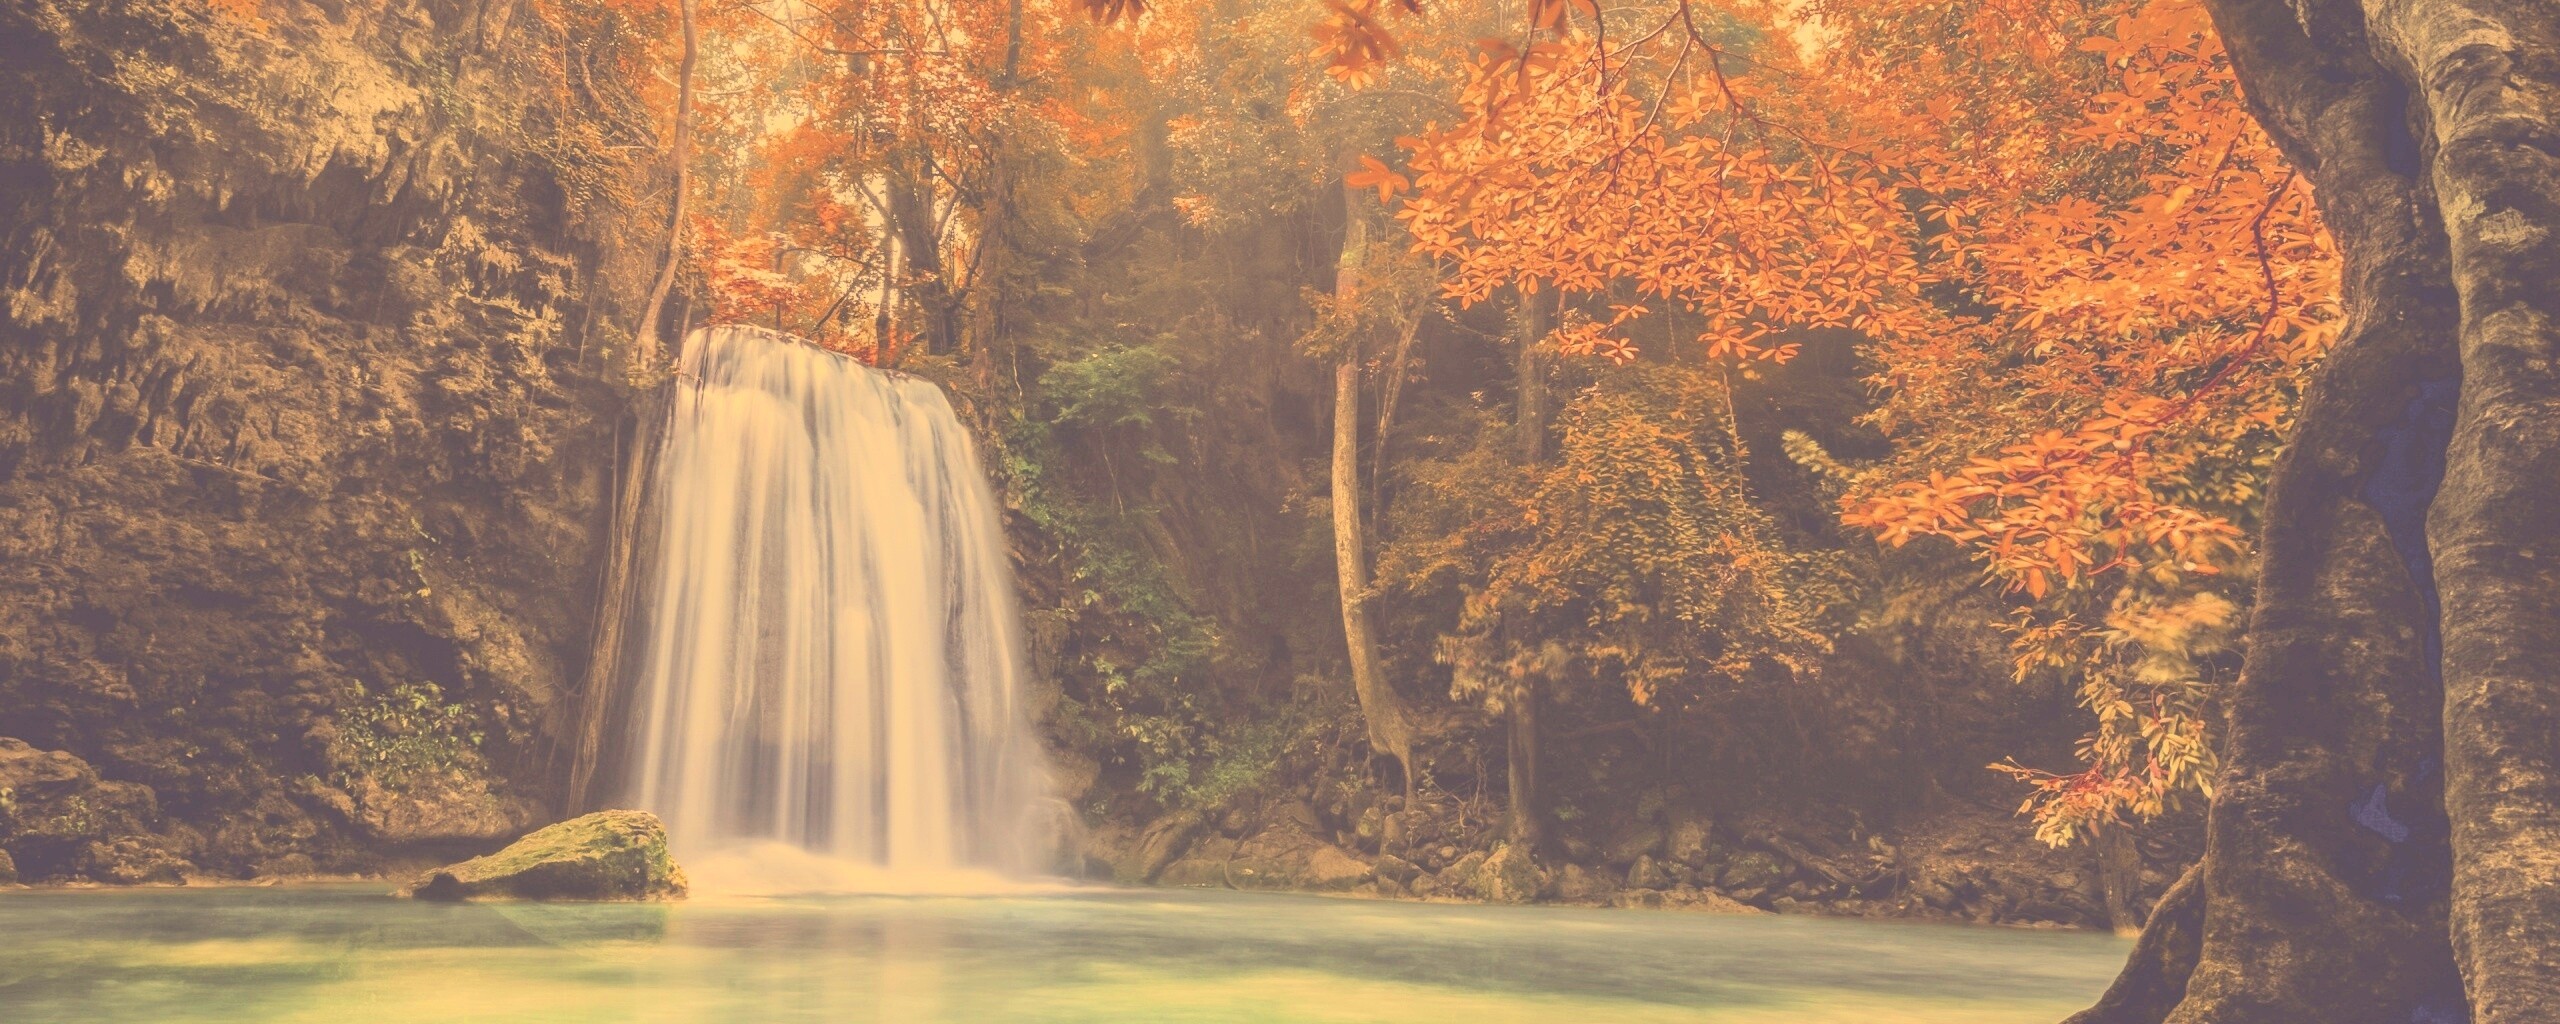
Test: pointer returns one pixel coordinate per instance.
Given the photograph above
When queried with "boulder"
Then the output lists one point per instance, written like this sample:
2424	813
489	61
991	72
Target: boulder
1647	874
1206	866
53	794
59	819
1627	844
608	855
1393	867
1372	827
132	860
1692	840
1331	869
1706	900
1459	878
1396	830
1160	845
1752	873
1284	857
1581	885
1509	876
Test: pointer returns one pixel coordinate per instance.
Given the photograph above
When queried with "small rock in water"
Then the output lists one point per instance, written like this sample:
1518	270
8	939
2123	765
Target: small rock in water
608	855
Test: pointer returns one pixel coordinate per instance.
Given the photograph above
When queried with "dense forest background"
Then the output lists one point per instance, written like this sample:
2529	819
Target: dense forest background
330	327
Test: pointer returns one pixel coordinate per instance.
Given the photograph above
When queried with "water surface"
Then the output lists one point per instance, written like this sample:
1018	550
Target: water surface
348	953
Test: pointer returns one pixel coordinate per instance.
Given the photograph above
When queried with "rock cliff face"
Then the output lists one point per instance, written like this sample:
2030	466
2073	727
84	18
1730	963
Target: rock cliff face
306	417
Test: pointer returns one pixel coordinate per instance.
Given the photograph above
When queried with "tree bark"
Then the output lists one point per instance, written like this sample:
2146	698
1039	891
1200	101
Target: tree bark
1390	730
644	348
1529	423
927	280
600	694
1529	440
2391	791
2488	75
2164	957
2120	876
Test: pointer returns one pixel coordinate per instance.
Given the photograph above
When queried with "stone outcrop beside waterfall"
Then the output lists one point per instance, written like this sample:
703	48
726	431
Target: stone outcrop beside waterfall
305	422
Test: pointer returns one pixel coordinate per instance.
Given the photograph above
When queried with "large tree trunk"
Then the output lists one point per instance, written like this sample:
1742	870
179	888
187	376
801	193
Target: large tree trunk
1390	730
2385	791
2488	75
644	348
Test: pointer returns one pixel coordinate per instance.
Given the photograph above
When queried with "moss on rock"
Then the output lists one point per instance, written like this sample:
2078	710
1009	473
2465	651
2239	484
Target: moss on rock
1509	876
608	855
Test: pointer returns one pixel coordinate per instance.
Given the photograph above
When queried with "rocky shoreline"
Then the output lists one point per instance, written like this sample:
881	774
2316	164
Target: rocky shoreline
63	824
1962	863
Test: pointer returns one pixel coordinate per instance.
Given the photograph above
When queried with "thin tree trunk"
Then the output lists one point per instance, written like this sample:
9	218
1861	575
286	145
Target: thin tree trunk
884	324
644	348
1529	440
928	280
2120	876
1391	394
1529	425
1528	821
599	694
986	338
1390	730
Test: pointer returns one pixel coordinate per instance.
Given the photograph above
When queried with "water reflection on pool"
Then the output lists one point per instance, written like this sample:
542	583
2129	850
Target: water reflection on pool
344	953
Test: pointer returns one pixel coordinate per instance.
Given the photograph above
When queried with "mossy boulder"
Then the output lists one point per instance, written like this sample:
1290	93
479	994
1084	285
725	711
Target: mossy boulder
1647	873
1459	878
608	855
1509	876
1752	873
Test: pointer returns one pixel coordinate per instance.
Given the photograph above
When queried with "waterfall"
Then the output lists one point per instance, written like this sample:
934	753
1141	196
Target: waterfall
825	654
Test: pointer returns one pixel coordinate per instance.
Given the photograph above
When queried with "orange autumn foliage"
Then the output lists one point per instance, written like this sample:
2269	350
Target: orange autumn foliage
2088	283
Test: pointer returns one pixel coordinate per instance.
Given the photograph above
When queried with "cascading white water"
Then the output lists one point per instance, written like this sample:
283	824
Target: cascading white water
826	650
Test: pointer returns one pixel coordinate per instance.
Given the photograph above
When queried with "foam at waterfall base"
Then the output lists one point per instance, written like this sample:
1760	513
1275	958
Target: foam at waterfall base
781	869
